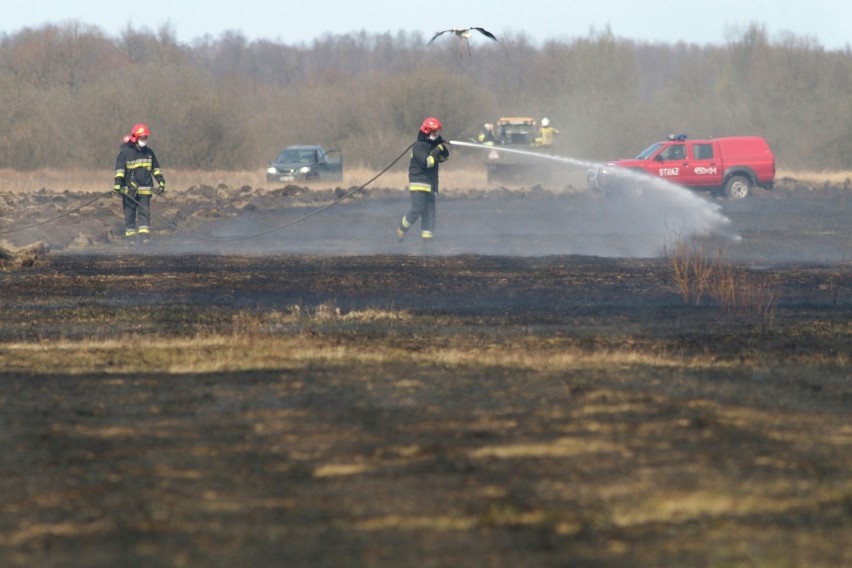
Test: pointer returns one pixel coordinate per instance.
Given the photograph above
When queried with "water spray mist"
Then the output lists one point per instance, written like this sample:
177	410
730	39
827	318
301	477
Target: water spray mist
688	212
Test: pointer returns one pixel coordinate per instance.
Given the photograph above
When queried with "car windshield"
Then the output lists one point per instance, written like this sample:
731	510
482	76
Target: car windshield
297	156
649	151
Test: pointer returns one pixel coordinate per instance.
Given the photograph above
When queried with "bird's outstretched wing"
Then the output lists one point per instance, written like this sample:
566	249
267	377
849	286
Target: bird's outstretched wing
485	32
438	34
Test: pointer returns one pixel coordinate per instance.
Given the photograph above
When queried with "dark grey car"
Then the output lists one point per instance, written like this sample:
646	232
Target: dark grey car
306	163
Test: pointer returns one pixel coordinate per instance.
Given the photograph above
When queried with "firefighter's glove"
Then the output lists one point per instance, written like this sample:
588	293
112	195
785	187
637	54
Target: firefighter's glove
441	152
161	188
116	189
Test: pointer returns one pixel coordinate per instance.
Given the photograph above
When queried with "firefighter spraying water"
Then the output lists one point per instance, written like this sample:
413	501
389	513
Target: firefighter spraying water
427	153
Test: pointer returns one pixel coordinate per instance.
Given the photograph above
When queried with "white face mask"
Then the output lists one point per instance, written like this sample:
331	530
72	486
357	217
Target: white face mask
142	143
434	135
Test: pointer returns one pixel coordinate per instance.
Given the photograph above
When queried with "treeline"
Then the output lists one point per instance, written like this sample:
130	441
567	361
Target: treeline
68	94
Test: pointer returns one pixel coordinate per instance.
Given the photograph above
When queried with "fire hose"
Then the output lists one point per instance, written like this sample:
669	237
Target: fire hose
46	221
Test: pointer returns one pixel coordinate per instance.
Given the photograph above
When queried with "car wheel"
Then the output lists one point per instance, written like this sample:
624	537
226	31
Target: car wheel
738	187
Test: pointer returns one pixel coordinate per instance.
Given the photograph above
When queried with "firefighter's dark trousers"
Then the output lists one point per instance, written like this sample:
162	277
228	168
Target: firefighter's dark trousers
134	211
422	205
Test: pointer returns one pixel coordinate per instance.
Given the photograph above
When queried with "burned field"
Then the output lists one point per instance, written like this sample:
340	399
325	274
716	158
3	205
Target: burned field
276	404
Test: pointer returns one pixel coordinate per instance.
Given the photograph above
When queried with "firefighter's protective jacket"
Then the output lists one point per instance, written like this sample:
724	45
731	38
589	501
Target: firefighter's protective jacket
137	169
486	136
546	134
426	154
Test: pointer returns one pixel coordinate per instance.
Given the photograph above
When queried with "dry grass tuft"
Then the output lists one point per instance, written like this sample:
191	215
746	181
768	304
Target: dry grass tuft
267	323
736	291
691	269
818	178
740	292
30	255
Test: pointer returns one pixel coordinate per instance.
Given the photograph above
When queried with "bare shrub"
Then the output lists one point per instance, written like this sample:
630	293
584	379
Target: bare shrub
691	269
735	290
742	293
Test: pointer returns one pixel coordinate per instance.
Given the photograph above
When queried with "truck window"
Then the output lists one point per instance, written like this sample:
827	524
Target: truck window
674	152
703	151
649	151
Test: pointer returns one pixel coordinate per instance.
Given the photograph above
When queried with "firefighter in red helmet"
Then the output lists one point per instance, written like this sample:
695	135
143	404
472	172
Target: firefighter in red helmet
137	175
427	153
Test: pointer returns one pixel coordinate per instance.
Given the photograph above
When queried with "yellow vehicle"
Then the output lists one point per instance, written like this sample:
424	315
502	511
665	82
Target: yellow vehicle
516	132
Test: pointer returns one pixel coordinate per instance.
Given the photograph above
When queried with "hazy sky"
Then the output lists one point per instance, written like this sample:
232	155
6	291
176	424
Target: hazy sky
298	21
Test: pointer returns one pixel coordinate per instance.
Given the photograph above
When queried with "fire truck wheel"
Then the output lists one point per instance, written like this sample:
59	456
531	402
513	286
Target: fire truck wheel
737	187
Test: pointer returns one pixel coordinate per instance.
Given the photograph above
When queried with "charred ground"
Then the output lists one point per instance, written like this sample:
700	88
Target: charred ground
170	406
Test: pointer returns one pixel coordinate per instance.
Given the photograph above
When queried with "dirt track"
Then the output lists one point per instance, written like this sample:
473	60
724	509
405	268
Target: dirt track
509	405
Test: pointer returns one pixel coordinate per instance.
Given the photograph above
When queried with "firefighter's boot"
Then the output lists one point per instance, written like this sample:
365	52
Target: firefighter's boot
402	228
426	238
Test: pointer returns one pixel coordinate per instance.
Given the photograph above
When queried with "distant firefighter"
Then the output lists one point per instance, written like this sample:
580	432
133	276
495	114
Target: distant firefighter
546	133
137	175
463	34
486	135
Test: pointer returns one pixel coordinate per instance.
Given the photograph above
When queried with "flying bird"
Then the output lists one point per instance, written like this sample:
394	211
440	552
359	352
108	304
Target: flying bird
463	34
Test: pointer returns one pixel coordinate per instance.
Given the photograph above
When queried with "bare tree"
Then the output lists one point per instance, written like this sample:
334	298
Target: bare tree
227	102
